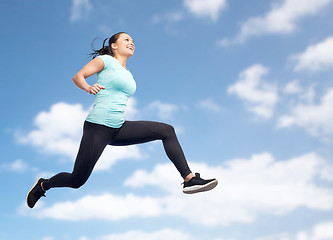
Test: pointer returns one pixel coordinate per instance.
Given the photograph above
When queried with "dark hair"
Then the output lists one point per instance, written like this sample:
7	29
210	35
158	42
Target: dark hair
106	49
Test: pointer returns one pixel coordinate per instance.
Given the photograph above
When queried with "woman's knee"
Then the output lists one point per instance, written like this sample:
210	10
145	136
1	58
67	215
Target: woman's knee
168	130
77	182
77	185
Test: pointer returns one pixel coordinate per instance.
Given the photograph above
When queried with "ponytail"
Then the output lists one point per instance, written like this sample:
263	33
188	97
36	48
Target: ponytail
106	49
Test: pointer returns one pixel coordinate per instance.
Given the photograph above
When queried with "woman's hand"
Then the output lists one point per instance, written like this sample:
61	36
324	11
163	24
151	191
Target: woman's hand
94	89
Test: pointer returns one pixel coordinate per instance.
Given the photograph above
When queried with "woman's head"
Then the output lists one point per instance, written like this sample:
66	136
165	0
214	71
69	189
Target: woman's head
119	44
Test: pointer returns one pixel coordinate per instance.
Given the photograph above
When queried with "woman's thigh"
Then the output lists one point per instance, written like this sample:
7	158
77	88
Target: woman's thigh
136	132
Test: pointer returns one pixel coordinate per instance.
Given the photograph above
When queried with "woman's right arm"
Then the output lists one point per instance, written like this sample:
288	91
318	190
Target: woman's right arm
94	66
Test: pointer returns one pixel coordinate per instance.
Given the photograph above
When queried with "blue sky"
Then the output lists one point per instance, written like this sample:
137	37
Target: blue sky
247	85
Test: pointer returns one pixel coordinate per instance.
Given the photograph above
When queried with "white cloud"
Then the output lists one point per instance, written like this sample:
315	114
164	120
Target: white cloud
132	111
16	166
207	8
113	154
163	110
141	178
321	231
83	238
165	234
260	97
281	19
209	105
59	131
106	207
308	95
286	185
315	118
316	57
80	8
293	87
247	188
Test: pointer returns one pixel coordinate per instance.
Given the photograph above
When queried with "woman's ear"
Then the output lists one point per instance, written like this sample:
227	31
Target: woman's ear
114	46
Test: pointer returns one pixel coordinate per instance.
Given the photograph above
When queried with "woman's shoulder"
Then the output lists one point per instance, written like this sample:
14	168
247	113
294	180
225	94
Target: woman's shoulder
107	59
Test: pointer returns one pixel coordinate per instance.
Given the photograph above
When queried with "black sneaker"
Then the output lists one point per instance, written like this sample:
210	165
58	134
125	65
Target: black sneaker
197	184
35	193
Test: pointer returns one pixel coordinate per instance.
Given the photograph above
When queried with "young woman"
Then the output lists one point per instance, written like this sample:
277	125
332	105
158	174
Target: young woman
105	124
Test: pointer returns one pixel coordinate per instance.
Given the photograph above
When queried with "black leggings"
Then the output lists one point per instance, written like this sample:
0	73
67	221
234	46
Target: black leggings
96	137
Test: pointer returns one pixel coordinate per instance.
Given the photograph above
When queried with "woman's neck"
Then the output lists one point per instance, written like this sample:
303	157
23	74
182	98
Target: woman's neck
122	60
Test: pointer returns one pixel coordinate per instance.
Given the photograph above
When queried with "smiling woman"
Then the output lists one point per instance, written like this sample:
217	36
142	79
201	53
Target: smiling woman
105	124
112	40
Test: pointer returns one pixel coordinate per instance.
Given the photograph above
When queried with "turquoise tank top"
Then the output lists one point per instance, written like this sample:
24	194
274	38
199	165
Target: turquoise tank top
110	103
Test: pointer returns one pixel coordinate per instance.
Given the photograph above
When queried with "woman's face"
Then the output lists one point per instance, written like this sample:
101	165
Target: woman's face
124	45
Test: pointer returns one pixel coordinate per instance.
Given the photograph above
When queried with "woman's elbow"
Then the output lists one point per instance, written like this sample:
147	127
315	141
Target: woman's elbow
76	77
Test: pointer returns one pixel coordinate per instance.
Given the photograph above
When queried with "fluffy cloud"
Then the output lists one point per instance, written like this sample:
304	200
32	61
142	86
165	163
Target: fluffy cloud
260	97
163	110
112	154
321	231
106	206
83	238
16	166
208	8
316	57
165	234
315	118
59	130
80	8
293	87
248	187
131	110
282	18
160	173
286	185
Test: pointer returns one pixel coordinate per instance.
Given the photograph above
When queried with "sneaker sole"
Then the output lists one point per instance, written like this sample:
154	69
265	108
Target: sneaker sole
35	184
201	188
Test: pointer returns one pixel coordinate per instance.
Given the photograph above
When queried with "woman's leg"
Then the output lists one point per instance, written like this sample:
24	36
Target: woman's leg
94	140
135	132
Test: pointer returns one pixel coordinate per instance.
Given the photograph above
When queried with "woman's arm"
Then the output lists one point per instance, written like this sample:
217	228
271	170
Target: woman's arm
94	66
